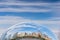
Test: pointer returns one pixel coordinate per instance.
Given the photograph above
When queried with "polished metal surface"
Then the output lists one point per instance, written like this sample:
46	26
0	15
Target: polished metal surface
28	39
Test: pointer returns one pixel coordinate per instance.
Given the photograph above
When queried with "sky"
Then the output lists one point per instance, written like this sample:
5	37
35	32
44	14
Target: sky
43	12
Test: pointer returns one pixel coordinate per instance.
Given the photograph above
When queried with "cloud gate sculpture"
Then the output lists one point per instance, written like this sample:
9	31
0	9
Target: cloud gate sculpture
28	31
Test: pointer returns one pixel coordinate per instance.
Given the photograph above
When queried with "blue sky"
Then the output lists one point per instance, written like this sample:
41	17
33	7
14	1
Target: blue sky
29	15
33	0
32	15
43	12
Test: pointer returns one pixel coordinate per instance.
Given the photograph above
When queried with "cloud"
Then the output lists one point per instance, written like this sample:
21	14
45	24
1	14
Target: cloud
24	7
10	19
25	3
56	9
54	19
23	10
15	19
29	7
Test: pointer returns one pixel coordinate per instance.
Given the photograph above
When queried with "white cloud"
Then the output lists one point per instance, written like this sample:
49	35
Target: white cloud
24	9
10	19
56	8
16	19
55	19
47	22
50	7
25	3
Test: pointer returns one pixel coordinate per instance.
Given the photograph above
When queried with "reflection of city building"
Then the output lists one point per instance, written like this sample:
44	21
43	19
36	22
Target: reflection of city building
20	35
33	35
28	34
46	37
